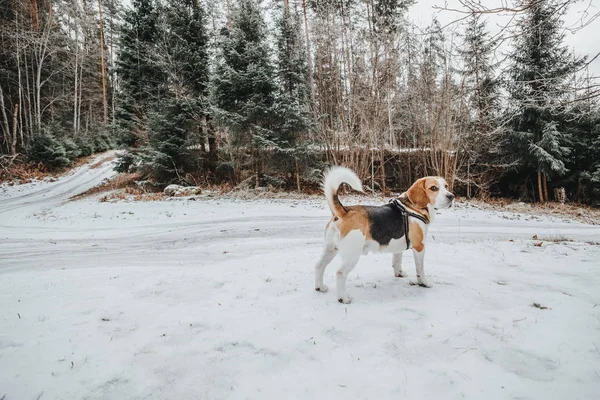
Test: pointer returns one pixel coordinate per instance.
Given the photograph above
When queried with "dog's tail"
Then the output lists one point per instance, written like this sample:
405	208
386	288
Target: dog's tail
332	180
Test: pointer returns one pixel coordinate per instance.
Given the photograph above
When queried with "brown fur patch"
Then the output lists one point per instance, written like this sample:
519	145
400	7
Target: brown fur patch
355	219
415	234
417	193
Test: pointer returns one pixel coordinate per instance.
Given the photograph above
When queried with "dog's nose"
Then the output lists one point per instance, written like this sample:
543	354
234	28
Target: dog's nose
450	196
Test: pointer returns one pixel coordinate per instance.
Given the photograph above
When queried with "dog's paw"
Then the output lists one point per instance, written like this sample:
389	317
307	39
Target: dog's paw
345	300
421	283
399	274
322	288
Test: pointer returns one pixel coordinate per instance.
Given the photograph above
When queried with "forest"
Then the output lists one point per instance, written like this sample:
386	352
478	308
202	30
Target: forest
269	93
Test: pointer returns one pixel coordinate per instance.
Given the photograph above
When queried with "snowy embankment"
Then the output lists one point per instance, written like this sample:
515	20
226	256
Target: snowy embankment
213	299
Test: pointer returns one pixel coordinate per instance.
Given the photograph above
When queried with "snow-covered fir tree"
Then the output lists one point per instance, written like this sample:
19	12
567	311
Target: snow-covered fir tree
541	64
244	86
481	90
141	80
292	104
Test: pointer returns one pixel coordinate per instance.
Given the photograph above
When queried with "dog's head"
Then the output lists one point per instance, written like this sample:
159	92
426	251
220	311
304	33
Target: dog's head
430	190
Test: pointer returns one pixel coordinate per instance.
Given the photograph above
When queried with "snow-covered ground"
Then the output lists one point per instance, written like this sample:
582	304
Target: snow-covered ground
214	299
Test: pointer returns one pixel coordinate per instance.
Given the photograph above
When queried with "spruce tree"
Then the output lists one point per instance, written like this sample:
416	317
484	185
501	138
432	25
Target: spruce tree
478	72
188	43
482	97
166	156
292	104
141	79
541	64
583	126
178	121
244	87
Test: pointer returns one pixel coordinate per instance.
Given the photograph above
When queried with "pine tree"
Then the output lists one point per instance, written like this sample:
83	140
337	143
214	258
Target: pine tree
482	97
175	123
188	43
293	98
141	80
478	72
244	88
583	127
166	156
292	103
541	64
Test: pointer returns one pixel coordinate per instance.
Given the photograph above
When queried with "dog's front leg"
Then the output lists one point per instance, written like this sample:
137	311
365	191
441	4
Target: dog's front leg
397	265
419	258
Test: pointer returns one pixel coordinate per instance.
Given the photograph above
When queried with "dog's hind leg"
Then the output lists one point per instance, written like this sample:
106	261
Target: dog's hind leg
328	254
397	265
351	248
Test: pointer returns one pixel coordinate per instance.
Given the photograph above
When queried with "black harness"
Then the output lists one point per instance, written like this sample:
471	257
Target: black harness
405	214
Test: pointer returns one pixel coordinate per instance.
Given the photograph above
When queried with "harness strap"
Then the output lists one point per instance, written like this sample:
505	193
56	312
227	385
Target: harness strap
405	214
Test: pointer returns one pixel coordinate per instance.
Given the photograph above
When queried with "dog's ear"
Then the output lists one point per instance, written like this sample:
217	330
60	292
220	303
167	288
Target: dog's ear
417	194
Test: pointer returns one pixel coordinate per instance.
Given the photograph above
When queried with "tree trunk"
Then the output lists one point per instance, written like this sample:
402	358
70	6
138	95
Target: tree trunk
35	15
540	190
468	179
229	13
383	176
13	145
76	89
298	177
257	156
113	98
104	102
308	57
20	82
546	198
6	127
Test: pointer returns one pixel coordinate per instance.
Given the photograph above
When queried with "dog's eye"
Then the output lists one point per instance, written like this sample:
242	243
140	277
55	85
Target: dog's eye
434	188
446	186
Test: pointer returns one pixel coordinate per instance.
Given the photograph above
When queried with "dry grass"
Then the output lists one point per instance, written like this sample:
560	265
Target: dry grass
22	172
121	181
98	163
131	196
555	239
571	211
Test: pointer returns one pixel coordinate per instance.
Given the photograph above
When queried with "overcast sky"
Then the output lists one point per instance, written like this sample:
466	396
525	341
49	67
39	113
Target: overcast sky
585	41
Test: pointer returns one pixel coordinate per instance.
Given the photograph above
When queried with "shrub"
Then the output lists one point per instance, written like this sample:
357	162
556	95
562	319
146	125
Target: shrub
49	151
86	146
72	150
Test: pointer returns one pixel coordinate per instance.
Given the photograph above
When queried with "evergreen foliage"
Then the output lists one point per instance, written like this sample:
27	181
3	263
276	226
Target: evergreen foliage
541	66
165	157
48	150
141	78
292	103
174	123
224	91
244	89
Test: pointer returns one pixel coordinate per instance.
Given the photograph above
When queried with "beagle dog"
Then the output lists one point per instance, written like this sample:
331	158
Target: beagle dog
391	228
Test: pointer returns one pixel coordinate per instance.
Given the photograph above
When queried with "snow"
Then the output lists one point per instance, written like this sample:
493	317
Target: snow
214	299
